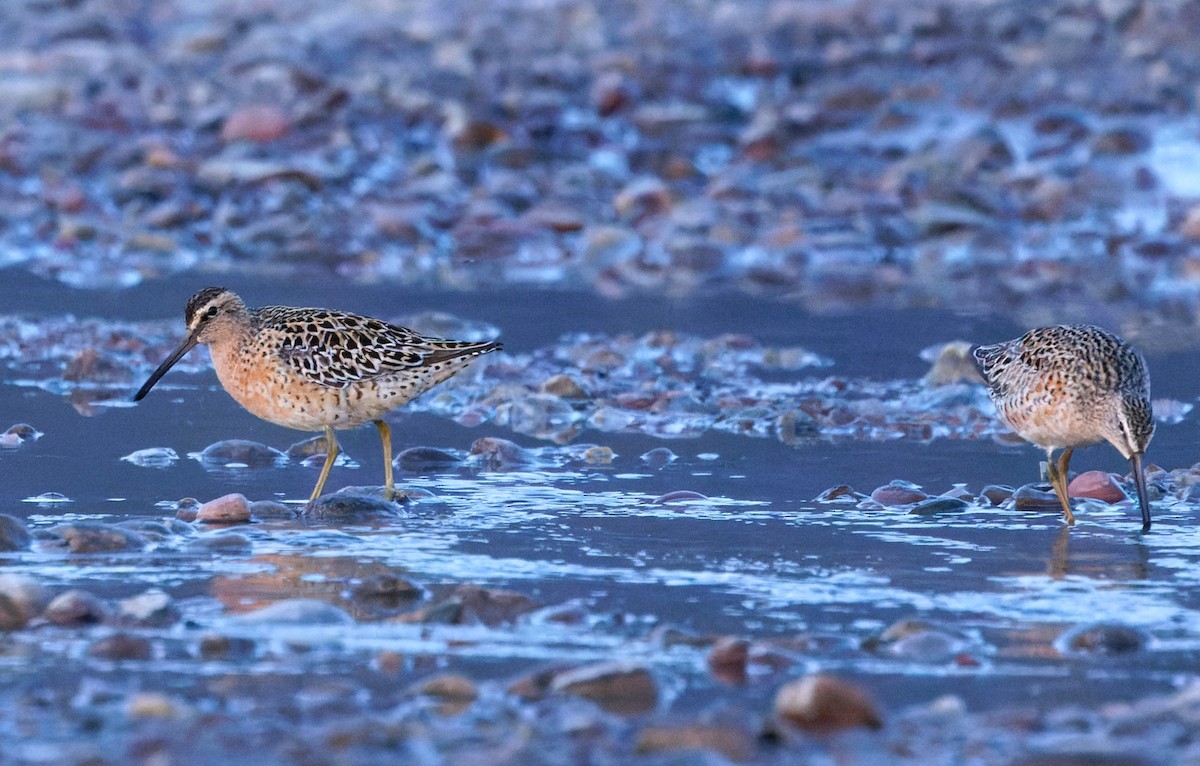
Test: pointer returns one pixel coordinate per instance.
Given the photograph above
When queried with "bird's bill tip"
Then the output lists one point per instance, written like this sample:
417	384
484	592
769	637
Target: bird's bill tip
187	345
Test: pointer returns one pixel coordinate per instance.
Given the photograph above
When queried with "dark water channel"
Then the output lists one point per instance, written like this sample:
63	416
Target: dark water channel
759	558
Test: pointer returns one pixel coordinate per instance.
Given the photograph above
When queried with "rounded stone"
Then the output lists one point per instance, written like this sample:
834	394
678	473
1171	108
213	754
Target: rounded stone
96	537
299	611
122	646
621	688
1104	639
825	704
233	508
13	534
897	493
21	599
75	608
942	504
1097	485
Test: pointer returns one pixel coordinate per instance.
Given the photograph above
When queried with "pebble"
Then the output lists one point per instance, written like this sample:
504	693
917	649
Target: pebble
313	446
917	641
215	646
823	704
76	608
229	543
896	493
564	387
272	509
678	496
1036	497
345	507
935	505
659	457
121	646
733	743
842	493
233	508
18	435
151	609
152	705
1098	485
152	457
21	599
620	688
97	537
1105	639
727	659
259	123
996	493
426	460
384	594
952	363
298	611
455	692
13	534
495	454
241	452
472	604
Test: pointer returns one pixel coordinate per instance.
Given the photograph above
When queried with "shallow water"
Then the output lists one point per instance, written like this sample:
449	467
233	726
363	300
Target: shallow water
758	557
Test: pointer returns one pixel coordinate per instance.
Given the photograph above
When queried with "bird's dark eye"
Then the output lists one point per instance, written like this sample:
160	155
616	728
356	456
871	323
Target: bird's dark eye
212	312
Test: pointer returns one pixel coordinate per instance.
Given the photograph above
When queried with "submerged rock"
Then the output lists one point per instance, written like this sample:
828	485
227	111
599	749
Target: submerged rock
347	507
298	611
936	505
241	452
152	457
96	537
426	459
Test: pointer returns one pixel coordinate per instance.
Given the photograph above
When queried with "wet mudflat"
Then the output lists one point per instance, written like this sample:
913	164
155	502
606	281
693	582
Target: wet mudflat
641	588
725	497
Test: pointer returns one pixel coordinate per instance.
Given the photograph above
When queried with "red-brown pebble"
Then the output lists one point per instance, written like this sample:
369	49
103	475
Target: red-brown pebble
617	688
824	704
256	122
1098	485
727	659
121	646
227	509
898	493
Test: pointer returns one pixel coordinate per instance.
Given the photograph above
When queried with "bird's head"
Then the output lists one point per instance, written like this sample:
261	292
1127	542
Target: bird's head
212	315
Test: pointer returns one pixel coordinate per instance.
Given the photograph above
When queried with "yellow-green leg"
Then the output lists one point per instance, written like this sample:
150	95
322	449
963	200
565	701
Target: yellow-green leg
385	436
331	453
1057	473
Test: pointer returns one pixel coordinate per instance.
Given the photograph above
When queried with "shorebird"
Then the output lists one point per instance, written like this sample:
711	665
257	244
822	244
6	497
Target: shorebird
315	369
1070	386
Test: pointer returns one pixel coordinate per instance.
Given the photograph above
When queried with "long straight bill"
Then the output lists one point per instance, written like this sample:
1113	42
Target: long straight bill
1139	479
188	344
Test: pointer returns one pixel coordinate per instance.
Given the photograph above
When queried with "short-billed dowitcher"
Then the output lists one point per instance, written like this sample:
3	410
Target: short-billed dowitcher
315	369
1069	386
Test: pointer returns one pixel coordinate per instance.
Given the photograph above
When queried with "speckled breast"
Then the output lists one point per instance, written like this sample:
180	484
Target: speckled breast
269	388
